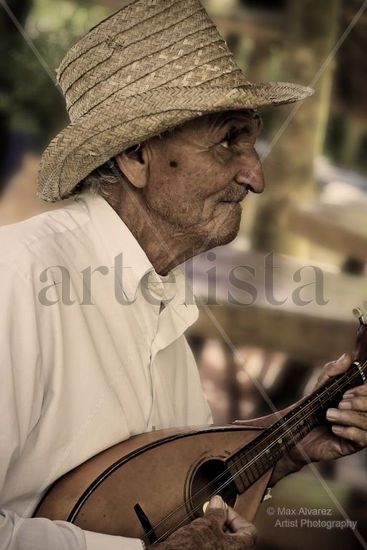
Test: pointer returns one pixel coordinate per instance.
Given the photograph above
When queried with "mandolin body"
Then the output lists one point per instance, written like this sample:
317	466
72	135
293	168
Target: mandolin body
151	484
133	486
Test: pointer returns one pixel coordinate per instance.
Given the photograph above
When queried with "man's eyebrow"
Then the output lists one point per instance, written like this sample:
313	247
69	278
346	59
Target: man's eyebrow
231	122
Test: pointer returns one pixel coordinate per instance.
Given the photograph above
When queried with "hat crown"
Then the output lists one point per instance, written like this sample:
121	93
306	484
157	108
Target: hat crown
146	45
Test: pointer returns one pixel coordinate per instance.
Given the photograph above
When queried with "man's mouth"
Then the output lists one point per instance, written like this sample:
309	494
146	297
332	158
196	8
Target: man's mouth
230	201
238	198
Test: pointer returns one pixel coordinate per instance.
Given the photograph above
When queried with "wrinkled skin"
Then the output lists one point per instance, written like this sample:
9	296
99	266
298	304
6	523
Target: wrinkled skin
221	528
183	190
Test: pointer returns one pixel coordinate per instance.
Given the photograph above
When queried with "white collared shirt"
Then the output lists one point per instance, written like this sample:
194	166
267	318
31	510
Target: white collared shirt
88	358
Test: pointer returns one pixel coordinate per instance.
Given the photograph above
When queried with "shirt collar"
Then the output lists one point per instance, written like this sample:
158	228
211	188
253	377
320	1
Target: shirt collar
126	254
123	250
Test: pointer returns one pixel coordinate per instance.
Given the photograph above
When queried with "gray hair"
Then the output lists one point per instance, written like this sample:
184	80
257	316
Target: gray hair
102	181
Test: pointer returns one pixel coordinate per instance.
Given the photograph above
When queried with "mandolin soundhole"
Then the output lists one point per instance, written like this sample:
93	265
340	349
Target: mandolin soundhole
211	478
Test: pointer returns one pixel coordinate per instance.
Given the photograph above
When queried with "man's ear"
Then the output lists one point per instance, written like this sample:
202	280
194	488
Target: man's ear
133	163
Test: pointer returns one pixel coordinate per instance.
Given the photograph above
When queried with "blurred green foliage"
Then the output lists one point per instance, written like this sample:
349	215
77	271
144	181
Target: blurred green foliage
28	91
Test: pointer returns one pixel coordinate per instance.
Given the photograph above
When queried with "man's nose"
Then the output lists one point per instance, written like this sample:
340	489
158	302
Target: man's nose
250	170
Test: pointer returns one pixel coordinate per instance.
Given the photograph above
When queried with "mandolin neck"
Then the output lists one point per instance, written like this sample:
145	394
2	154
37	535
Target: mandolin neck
252	461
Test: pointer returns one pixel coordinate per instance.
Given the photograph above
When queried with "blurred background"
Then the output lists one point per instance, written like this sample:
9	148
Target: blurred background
276	304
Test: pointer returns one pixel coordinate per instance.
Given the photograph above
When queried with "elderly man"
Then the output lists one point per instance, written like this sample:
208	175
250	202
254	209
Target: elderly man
151	171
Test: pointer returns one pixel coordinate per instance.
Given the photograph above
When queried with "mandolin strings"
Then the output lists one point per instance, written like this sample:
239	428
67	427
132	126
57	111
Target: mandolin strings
316	402
283	422
198	507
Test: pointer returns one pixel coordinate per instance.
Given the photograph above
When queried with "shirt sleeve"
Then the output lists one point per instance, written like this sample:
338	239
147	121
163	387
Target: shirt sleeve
21	395
18	533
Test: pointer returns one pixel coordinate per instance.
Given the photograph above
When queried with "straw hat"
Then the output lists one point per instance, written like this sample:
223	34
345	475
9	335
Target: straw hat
151	66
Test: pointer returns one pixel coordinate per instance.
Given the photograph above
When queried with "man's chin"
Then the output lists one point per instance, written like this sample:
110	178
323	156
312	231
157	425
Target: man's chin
228	230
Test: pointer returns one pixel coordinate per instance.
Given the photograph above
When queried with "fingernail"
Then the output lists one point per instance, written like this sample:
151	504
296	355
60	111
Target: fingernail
337	430
332	414
348	393
345	405
342	357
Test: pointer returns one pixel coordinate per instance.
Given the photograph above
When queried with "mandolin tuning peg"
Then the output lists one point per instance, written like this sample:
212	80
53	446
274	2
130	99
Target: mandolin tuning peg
358	313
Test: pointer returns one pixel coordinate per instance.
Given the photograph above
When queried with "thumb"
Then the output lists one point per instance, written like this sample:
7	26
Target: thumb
217	509
334	368
217	503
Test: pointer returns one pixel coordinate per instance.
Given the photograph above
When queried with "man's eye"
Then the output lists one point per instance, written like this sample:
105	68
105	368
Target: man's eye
226	142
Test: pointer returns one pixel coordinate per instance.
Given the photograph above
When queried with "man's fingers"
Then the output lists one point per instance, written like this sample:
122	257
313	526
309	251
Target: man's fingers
230	521
240	530
352	434
235	522
358	403
334	368
217	503
238	524
358	390
347	418
217	510
218	517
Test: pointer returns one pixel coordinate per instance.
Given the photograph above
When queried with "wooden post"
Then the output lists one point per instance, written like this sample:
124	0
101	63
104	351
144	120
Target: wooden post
310	34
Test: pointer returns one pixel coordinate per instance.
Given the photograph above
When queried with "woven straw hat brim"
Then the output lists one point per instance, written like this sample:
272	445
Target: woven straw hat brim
121	122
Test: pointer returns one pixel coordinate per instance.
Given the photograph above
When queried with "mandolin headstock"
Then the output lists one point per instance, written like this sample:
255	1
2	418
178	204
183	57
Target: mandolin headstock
360	351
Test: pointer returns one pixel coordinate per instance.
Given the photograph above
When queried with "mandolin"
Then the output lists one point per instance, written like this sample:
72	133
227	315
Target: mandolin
151	484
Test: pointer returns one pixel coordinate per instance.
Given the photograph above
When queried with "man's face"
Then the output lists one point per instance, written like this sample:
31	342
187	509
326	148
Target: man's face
200	173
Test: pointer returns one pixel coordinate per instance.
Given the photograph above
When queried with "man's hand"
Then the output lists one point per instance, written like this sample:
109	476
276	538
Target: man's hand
221	528
344	434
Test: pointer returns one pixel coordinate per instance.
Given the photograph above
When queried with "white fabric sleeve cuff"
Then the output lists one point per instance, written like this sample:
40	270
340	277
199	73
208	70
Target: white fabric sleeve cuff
98	541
